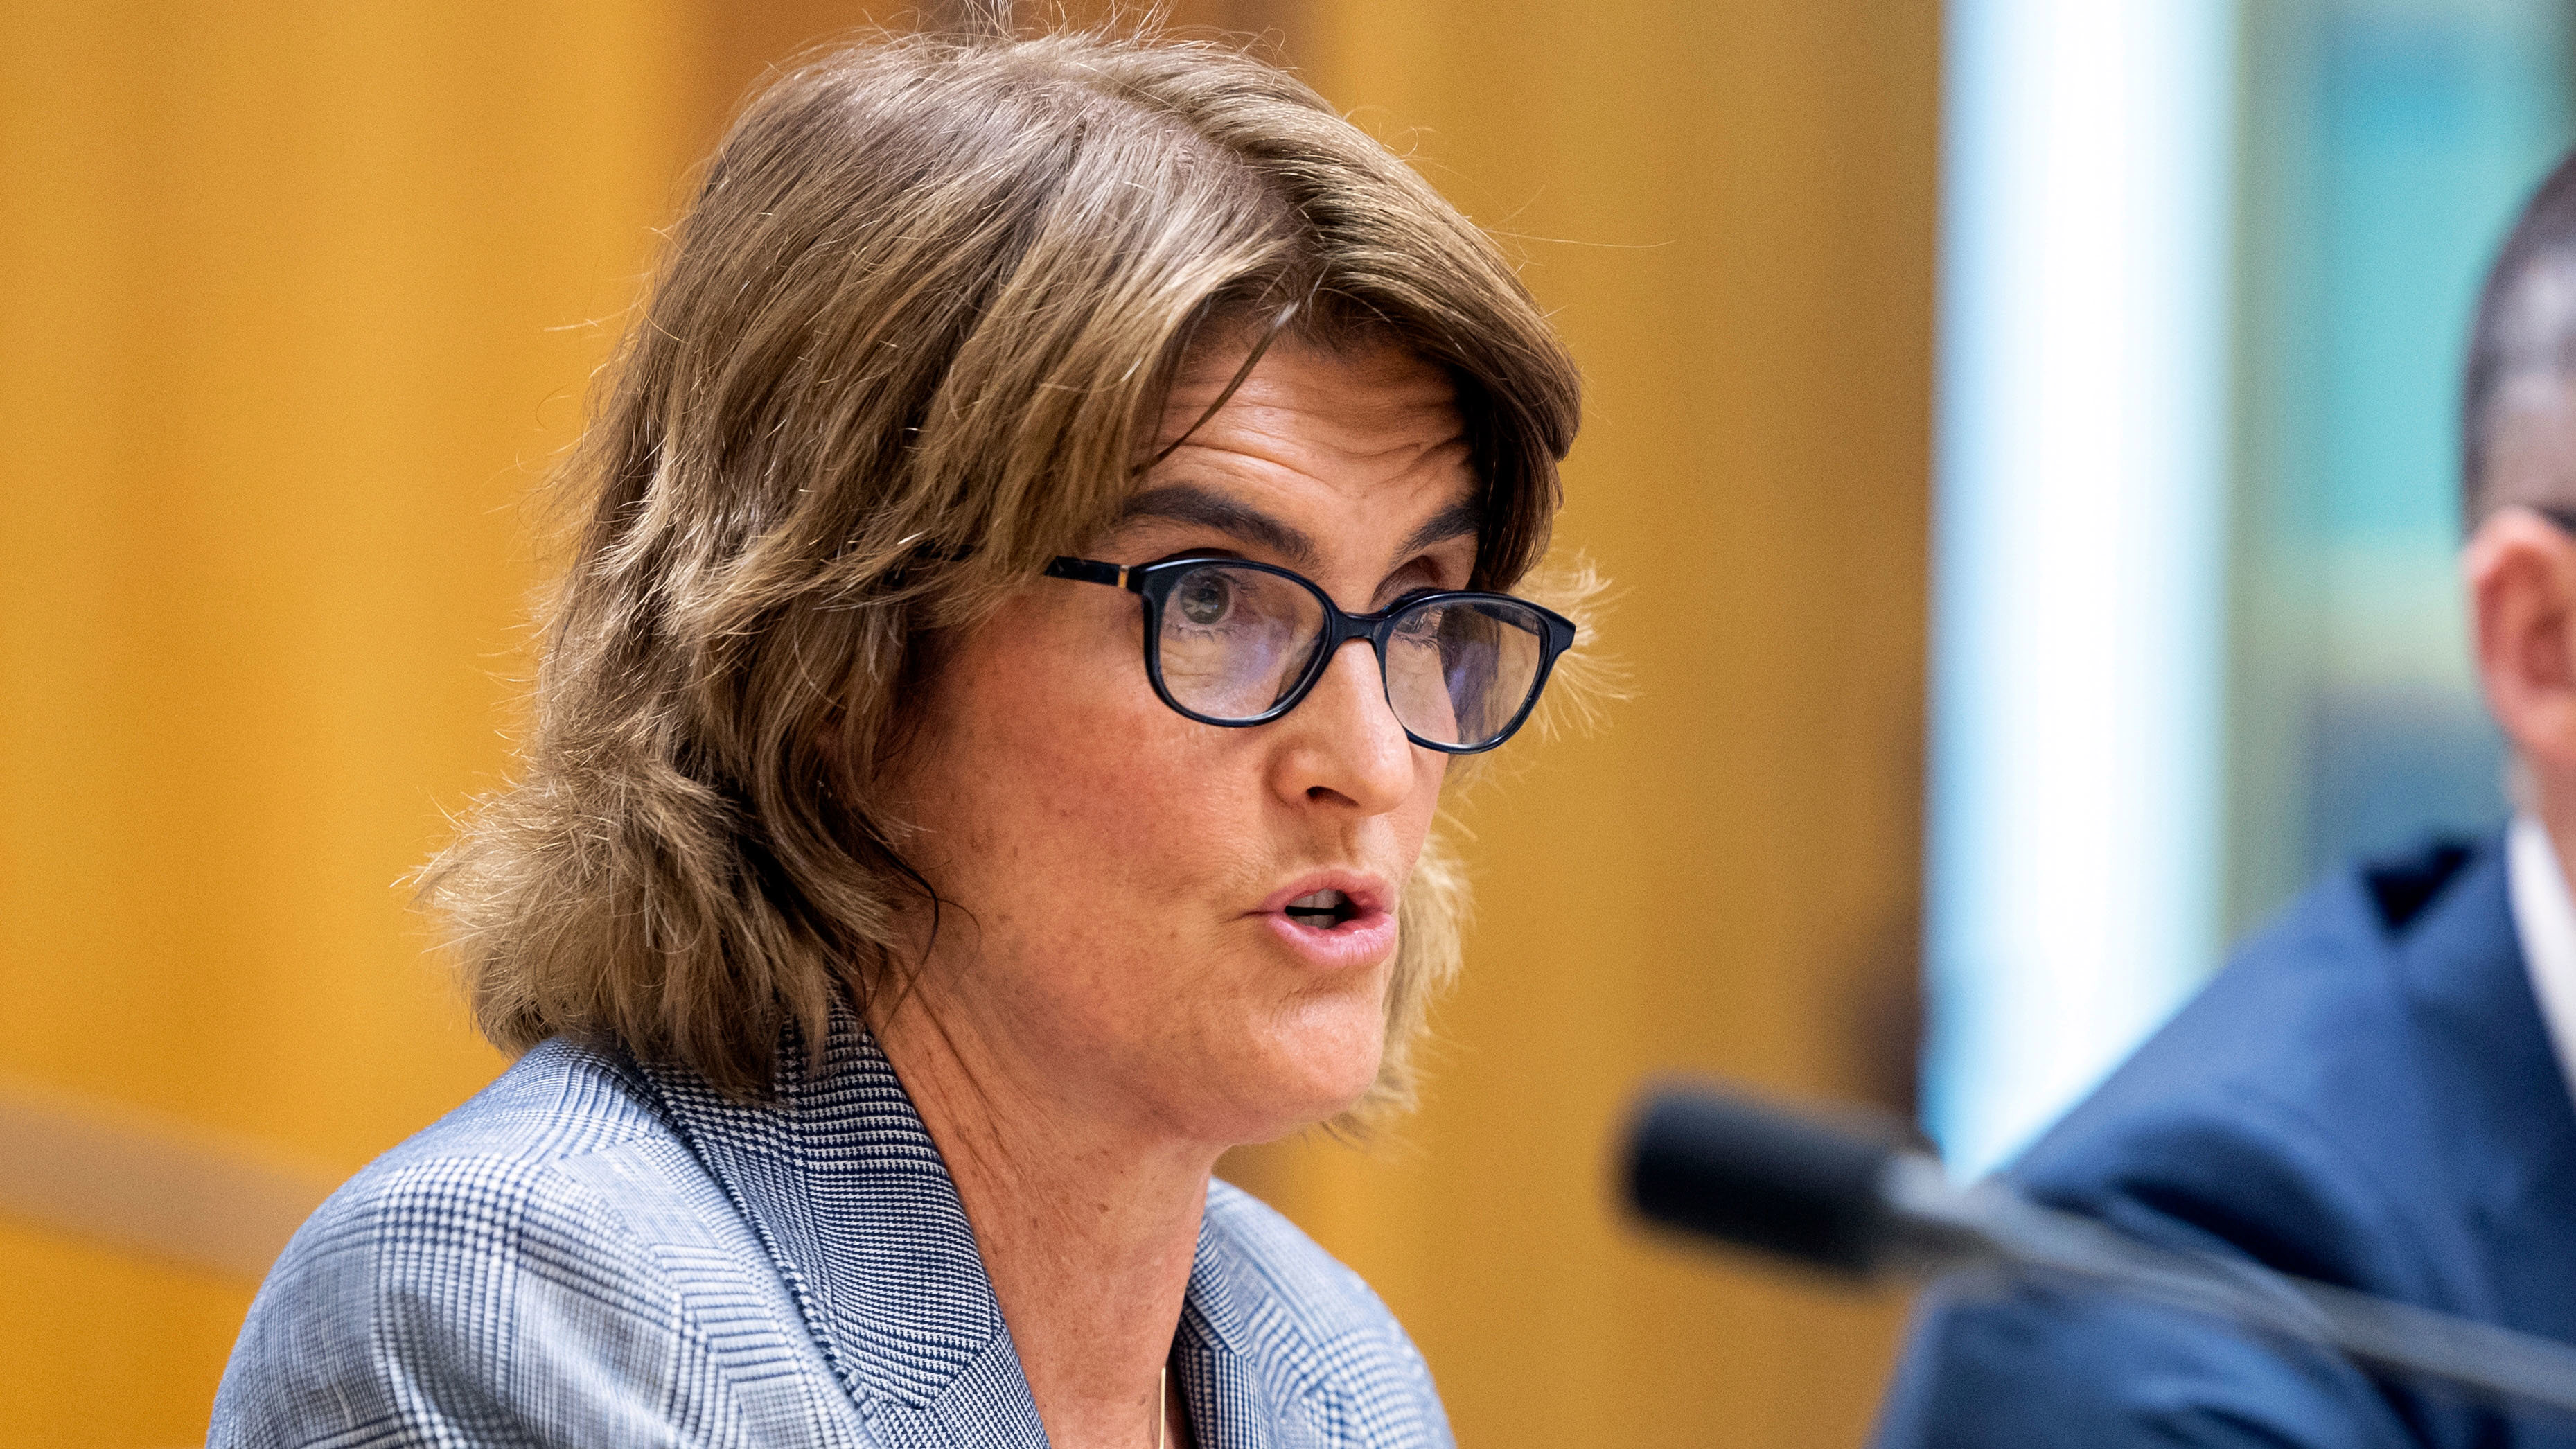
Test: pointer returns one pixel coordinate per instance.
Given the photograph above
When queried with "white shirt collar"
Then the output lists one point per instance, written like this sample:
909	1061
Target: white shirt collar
2544	920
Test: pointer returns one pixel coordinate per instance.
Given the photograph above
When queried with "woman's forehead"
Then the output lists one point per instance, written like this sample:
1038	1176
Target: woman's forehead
1367	399
1375	422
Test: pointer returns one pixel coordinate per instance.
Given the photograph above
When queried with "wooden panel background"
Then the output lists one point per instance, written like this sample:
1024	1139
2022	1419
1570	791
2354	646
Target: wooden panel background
292	306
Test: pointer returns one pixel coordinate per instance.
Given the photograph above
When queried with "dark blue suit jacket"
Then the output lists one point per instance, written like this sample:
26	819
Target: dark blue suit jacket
2367	1095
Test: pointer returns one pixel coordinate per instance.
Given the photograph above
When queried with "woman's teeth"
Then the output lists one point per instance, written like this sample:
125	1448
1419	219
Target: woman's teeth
1319	910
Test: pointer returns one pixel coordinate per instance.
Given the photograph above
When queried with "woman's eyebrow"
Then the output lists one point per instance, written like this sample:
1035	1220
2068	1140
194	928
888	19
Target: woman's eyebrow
1450	522
1190	503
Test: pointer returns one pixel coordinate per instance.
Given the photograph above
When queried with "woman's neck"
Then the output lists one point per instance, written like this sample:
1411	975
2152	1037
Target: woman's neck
1087	1226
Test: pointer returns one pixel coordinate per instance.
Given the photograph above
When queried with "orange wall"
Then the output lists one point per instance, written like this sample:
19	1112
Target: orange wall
299	318
275	371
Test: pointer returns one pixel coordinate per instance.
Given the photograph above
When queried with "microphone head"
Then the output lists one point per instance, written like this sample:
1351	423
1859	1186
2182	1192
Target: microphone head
1728	1167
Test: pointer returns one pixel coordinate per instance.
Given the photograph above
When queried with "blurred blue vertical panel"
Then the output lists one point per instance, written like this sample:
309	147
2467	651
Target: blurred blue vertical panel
2387	146
2079	544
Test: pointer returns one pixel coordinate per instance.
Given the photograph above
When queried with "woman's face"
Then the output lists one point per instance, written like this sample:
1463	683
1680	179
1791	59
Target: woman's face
1122	943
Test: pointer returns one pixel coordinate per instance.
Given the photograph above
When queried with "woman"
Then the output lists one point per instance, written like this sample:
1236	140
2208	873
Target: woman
1042	554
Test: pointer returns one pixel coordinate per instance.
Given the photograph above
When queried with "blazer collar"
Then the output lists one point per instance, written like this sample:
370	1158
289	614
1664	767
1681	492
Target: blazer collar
849	1195
845	1189
2504	1118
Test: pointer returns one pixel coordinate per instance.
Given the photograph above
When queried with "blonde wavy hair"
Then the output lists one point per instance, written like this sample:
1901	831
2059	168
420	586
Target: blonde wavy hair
910	341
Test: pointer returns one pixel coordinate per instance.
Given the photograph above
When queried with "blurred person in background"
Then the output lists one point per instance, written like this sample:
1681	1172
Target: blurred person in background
2376	1091
1042	551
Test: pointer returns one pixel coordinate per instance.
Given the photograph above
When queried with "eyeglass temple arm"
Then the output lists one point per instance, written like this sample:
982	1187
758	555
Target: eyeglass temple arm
1091	571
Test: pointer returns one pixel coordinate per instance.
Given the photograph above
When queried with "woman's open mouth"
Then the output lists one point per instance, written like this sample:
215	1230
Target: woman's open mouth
1335	919
1322	910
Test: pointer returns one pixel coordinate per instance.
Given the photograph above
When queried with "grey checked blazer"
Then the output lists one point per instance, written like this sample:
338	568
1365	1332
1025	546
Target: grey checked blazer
595	1252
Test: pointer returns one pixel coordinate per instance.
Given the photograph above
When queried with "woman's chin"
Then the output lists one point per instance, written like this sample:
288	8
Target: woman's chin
1287	1083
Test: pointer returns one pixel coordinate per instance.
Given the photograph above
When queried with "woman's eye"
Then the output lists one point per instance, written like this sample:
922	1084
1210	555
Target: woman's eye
1203	598
1419	621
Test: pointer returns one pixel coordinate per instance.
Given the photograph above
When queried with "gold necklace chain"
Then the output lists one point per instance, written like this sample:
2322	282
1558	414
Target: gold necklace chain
1163	1409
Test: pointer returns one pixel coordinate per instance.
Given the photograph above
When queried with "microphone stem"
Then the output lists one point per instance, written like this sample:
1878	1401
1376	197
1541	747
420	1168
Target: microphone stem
1939	1228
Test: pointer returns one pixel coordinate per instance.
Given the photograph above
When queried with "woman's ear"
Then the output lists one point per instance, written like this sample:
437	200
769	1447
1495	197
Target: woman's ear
2521	574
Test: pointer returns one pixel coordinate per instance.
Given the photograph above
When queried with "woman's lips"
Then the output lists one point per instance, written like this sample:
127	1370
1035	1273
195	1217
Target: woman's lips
1363	934
1363	940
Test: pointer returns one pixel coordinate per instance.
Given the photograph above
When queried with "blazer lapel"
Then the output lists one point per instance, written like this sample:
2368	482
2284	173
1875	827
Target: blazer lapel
849	1195
1243	1393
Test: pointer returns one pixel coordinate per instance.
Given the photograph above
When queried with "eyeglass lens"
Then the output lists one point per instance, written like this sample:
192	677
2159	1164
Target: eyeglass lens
1235	641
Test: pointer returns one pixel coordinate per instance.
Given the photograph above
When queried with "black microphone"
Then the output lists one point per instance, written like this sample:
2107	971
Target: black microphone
1856	1198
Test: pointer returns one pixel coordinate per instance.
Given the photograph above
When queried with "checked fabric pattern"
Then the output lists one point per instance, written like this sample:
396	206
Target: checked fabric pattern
594	1252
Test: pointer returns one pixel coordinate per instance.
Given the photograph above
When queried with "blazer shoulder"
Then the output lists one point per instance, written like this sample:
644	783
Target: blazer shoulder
565	1165
2313	1013
555	1207
522	1157
2303	1111
2286	1110
558	1102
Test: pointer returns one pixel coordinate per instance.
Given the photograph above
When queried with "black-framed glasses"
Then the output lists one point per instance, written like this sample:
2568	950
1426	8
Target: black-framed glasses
1235	643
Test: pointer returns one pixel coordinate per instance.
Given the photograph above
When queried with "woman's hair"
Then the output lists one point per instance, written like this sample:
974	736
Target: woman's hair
912	340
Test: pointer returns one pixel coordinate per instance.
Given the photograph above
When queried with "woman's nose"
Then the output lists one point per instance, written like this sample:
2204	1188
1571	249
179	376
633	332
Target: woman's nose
1344	744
